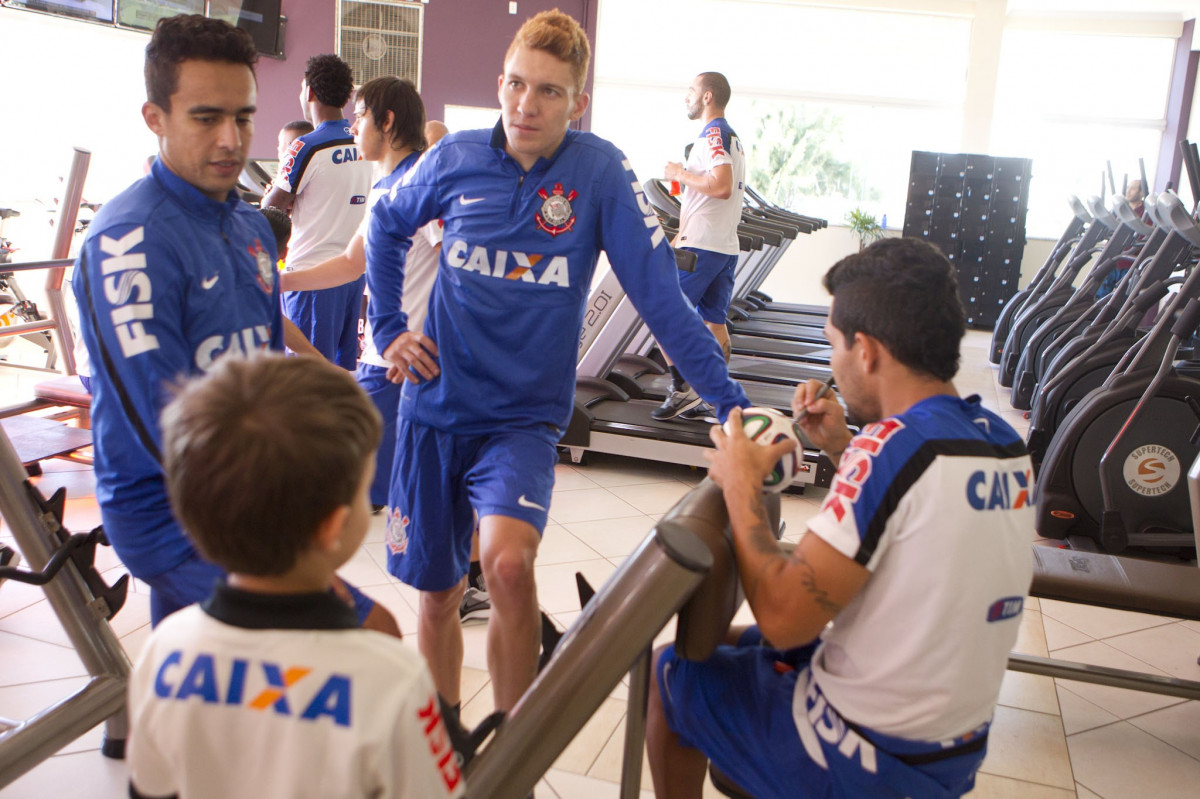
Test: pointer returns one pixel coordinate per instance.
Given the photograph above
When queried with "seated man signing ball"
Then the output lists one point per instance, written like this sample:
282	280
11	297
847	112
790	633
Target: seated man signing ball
921	566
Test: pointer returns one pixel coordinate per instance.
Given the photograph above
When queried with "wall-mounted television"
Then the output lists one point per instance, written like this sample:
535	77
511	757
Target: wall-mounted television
260	18
145	14
90	10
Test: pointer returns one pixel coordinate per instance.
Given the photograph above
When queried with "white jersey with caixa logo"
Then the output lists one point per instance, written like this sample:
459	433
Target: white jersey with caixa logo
263	696
708	223
937	504
331	182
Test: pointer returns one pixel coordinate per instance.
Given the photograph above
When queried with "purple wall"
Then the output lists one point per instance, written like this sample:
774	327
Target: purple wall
464	47
465	42
311	30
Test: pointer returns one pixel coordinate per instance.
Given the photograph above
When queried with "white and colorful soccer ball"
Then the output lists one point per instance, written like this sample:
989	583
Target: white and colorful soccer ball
768	426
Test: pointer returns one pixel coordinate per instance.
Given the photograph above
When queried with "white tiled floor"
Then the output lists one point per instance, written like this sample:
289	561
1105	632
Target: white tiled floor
1050	741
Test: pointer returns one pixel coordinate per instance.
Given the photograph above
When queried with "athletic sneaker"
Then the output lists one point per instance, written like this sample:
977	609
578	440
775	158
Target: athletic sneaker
702	412
475	605
676	403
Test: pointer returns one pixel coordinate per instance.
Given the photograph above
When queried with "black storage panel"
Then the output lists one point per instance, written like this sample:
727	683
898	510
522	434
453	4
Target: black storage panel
973	208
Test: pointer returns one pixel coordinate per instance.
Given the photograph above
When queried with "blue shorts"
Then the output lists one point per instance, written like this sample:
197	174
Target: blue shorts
386	396
192	581
736	708
442	481
710	286
329	319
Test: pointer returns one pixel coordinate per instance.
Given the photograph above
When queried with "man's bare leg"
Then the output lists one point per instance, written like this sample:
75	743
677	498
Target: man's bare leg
678	771
721	333
439	637
507	550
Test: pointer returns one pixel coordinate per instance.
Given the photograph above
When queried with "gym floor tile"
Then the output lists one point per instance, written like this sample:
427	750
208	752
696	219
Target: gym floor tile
1178	725
1029	692
990	786
81	775
1031	639
576	786
1078	714
1170	647
1030	746
559	545
1120	761
26	660
556	582
652	497
1121	702
609	763
587	505
1099	622
1059	635
612	537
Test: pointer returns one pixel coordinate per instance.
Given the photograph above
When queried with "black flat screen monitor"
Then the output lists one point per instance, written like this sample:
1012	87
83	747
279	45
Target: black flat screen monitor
260	18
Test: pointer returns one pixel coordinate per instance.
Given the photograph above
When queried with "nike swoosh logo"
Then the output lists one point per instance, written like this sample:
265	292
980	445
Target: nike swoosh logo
524	503
209	282
465	200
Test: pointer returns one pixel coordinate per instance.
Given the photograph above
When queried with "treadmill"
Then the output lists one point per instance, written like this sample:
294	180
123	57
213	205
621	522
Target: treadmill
611	415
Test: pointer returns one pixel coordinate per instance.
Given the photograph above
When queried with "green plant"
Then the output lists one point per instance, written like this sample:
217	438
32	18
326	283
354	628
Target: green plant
865	226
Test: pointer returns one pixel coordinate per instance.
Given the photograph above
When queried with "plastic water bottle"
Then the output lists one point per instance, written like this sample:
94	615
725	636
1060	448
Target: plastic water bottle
883	223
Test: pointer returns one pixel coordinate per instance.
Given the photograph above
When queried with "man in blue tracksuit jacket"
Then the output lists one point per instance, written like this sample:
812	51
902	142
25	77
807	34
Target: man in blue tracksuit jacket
175	272
527	207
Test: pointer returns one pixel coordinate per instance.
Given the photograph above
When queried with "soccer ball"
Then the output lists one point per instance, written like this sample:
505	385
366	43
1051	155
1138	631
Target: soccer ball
768	426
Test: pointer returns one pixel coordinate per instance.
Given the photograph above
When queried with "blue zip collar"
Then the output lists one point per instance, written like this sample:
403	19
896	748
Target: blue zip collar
190	198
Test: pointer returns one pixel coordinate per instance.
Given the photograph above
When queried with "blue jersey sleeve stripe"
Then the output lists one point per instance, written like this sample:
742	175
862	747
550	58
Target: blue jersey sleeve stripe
908	474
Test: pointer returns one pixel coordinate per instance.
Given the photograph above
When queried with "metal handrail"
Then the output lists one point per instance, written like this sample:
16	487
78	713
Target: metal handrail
57	322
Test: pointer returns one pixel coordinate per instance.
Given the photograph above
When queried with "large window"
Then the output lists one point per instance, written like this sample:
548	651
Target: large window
1075	103
829	102
831	99
69	85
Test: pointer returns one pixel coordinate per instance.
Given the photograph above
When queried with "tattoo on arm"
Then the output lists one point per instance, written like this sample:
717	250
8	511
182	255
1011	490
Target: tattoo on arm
808	579
762	541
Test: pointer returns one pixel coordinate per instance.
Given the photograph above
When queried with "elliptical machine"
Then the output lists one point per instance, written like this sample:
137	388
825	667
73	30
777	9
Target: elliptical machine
1060	287
1041	279
1140	426
1087	360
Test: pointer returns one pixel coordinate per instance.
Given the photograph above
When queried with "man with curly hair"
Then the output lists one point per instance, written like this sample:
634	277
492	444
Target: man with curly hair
324	181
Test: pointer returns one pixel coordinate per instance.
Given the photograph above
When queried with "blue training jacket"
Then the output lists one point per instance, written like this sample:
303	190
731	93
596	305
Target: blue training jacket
176	280
518	254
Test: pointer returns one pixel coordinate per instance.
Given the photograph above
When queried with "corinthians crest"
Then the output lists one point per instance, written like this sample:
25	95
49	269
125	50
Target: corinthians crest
557	215
266	269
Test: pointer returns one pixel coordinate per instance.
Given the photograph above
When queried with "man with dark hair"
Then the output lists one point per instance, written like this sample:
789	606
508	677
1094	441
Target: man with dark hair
715	180
919	556
176	272
527	208
389	130
289	133
360	717
324	181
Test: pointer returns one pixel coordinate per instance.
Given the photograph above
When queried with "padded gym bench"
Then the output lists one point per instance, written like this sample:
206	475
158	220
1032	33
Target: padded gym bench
1120	583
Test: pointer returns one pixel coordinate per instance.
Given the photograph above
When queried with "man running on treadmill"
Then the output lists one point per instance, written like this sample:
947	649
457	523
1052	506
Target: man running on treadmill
715	181
527	207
